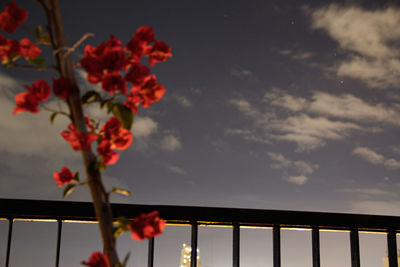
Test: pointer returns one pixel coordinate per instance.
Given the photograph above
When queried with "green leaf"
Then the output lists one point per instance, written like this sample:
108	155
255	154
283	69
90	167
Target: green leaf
39	61
110	106
38	31
121	191
53	116
45	39
76	177
68	189
90	96
124	114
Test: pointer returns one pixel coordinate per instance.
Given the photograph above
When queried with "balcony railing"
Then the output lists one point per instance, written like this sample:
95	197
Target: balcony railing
14	209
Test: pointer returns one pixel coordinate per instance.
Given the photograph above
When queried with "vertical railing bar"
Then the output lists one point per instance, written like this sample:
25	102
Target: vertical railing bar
59	230
10	229
316	247
193	245
236	245
277	246
355	248
392	249
150	256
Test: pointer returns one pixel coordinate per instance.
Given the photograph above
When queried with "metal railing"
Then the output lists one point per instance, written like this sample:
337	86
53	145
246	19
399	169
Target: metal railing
15	209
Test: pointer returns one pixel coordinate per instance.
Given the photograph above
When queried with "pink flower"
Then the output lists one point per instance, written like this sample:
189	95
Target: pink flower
97	259
147	226
65	176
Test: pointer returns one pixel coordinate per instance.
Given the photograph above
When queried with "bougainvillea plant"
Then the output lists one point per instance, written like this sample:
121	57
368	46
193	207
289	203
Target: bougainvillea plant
127	85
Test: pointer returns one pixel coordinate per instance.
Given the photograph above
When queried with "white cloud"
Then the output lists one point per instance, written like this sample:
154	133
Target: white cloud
311	132
176	169
243	74
369	155
299	180
144	127
183	101
301	167
369	36
280	98
170	143
376	207
375	158
367	191
349	107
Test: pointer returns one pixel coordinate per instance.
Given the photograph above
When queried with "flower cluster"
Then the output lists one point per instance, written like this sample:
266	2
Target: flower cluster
30	100
106	62
113	137
10	20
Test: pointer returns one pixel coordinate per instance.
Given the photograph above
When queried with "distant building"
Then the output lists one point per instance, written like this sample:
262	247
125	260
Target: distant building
386	259
185	256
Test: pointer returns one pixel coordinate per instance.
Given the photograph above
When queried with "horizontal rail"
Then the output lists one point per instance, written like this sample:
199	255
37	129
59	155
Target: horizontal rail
83	211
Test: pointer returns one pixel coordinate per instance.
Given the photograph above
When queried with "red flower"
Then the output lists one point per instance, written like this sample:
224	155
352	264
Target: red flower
62	87
28	49
40	89
151	91
147	226
65	176
12	17
160	51
107	57
132	103
26	101
78	140
118	137
109	156
113	82
8	47
123	140
145	34
137	73
97	259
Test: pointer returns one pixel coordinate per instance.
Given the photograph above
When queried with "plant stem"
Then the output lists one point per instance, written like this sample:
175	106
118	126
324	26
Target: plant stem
65	67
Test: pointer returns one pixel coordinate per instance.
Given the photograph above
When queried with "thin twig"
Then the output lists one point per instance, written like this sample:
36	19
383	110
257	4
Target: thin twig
56	111
79	42
30	67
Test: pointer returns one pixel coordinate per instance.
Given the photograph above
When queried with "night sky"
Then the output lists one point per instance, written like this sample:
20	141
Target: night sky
270	104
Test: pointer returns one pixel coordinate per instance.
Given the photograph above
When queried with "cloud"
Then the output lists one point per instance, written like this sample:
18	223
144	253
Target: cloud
375	158
170	143
243	74
367	191
369	37
312	121
347	106
144	127
296	54
311	132
280	98
376	207
183	101
299	180
176	169
302	168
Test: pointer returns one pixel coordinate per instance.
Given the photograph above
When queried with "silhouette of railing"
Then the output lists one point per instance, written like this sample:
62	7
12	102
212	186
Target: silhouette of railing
14	209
